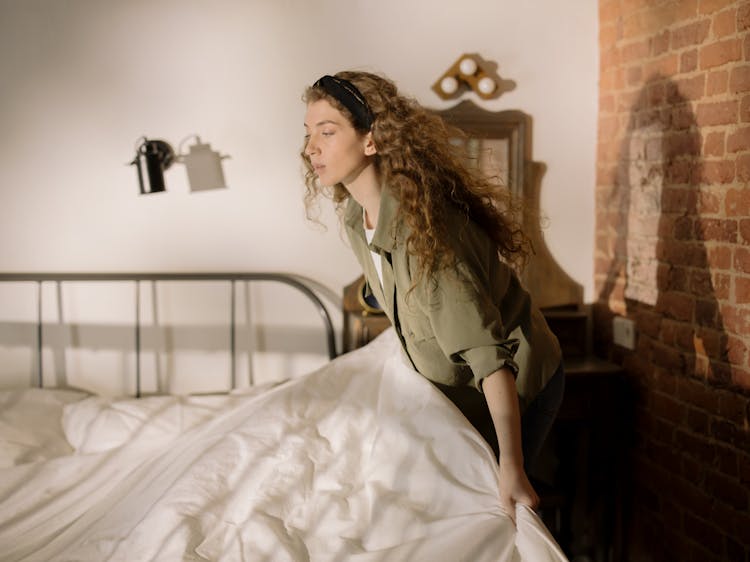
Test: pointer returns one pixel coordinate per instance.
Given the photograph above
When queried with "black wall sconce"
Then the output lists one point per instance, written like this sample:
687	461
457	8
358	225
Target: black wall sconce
203	165
155	156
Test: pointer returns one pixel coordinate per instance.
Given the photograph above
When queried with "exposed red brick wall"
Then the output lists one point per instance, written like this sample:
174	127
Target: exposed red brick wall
673	254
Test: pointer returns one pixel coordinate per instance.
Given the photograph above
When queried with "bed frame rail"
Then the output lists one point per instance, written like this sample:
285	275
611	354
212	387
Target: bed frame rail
232	278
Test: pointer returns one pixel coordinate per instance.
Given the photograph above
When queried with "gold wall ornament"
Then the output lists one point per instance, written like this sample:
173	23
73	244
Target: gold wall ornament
472	72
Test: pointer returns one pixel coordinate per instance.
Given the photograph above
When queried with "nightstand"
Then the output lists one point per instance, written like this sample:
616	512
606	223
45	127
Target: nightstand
363	320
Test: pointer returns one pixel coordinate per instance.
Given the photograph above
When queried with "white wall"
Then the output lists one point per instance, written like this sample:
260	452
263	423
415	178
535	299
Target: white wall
82	80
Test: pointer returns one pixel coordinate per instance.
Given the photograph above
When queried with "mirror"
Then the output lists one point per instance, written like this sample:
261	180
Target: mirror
496	140
500	142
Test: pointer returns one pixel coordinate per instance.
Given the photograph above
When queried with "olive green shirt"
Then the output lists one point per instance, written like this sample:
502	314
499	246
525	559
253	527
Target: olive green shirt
465	322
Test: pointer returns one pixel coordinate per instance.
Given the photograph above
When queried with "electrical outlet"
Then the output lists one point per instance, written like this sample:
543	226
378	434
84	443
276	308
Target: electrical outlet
623	332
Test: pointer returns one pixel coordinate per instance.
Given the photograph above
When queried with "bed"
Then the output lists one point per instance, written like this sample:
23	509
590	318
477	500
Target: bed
359	459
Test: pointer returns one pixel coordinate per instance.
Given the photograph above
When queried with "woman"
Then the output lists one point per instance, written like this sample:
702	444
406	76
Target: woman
436	241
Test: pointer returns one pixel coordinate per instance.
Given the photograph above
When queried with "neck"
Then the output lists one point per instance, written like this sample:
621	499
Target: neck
366	190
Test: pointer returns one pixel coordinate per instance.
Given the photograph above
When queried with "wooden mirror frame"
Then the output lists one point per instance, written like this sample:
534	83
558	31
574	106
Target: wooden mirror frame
550	286
510	125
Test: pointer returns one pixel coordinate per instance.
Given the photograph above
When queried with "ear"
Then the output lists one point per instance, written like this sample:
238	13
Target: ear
370	148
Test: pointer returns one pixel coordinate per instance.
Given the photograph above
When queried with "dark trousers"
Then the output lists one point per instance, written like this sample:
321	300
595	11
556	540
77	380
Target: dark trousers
536	421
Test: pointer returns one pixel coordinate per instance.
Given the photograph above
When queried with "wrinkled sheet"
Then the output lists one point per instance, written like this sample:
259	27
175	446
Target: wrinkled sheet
362	460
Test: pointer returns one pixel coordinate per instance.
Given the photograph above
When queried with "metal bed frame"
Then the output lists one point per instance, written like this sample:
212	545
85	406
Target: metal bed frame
232	278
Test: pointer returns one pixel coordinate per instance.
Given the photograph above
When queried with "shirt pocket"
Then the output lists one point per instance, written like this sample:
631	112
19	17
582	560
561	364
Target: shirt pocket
415	325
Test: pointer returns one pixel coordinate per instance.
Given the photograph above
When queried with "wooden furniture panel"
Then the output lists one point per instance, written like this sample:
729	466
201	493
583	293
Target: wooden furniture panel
362	323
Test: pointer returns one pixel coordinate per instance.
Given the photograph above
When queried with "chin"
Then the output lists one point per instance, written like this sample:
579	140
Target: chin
324	182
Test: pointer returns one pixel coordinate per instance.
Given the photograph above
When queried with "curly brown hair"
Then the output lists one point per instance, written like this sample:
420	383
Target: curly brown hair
427	174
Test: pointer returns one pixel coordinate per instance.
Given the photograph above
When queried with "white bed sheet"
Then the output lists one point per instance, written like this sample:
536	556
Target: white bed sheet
362	460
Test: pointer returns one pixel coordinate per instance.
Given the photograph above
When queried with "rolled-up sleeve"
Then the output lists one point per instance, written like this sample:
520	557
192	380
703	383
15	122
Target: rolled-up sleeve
466	321
487	359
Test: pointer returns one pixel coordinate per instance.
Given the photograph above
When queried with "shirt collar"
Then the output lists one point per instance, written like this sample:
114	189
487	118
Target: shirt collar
386	229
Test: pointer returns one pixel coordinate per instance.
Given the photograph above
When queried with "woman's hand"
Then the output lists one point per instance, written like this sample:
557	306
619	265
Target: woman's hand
515	488
502	400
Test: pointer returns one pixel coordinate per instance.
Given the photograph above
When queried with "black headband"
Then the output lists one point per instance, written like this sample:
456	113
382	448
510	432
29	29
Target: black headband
350	97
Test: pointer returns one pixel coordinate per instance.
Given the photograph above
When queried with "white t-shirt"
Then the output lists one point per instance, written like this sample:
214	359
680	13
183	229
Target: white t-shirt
369	234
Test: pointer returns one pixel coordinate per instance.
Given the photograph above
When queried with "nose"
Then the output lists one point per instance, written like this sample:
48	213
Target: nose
310	147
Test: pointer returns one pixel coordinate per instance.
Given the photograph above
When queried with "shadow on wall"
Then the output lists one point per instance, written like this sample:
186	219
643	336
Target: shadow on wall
660	275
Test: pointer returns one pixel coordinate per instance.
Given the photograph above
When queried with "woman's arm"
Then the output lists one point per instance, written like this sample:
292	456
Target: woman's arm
500	392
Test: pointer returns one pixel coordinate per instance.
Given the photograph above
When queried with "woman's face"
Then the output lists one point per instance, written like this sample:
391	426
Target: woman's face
337	152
